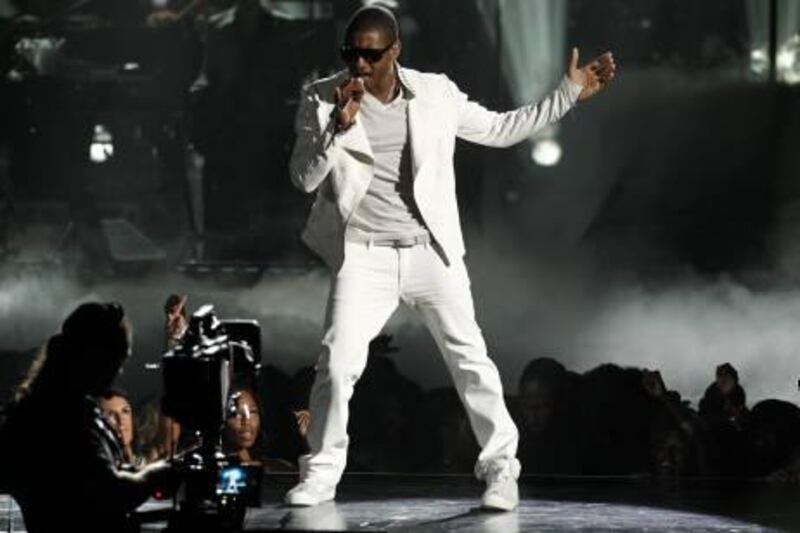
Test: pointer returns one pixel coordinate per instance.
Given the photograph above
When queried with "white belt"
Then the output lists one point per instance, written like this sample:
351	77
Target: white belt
402	242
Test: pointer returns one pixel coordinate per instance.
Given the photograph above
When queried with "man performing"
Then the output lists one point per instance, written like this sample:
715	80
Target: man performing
376	142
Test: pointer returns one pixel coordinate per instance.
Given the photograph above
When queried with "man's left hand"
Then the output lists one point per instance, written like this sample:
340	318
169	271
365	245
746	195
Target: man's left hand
594	75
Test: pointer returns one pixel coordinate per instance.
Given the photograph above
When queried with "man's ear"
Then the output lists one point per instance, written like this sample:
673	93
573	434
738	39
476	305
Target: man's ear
397	47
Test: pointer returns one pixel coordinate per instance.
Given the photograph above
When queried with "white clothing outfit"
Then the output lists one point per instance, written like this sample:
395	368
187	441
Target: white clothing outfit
369	281
339	166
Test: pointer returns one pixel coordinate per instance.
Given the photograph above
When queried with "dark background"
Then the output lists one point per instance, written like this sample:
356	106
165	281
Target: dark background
666	237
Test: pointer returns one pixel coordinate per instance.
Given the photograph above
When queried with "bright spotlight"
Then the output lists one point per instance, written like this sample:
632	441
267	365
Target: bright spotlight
759	61
546	152
788	60
102	147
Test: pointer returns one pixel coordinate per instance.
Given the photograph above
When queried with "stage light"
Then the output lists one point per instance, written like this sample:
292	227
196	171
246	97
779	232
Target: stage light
546	152
529	38
42	54
389	4
759	61
788	60
102	147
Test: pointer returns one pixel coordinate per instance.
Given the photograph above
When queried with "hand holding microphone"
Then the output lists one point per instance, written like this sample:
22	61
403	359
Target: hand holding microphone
348	102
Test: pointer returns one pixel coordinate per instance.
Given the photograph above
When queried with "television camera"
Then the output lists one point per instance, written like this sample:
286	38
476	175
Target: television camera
198	375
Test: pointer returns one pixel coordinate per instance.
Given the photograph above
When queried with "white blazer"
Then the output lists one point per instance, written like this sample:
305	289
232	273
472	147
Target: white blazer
339	166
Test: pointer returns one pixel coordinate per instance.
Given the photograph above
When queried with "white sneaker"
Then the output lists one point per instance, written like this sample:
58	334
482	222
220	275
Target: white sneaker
308	493
502	493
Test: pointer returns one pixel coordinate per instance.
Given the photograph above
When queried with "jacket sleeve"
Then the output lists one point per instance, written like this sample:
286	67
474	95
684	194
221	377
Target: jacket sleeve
314	148
115	490
479	125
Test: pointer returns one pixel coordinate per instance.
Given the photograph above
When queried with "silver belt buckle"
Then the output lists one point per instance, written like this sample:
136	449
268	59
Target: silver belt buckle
400	243
407	242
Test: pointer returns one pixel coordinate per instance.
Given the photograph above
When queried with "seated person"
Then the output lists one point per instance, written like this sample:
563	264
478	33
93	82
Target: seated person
83	483
244	437
724	402
723	410
161	435
116	406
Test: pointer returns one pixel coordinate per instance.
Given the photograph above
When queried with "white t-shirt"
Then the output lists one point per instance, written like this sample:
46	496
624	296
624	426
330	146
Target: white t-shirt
388	209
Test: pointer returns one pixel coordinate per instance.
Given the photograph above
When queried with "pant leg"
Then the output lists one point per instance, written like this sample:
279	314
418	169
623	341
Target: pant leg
442	295
363	295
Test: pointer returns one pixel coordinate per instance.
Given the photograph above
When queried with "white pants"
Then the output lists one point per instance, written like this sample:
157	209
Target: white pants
364	294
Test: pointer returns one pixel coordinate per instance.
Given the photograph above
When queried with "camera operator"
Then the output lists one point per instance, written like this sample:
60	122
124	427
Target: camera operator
56	409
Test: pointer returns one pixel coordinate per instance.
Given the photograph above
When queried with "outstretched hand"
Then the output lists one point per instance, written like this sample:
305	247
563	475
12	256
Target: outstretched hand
594	75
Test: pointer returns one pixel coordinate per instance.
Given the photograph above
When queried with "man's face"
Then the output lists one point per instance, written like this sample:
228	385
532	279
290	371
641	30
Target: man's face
670	454
726	383
538	405
372	71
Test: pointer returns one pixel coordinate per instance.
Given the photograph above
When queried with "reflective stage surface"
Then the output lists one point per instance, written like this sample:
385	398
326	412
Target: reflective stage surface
450	504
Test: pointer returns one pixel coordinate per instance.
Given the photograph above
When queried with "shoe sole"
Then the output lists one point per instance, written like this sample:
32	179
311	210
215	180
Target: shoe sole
294	501
498	504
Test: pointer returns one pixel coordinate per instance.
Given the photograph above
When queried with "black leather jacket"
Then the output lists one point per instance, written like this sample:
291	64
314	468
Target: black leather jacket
59	459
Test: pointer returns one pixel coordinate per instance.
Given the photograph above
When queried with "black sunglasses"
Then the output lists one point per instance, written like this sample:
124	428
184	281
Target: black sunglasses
372	55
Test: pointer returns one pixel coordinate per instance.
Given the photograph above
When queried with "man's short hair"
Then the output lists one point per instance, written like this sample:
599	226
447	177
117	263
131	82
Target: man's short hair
373	18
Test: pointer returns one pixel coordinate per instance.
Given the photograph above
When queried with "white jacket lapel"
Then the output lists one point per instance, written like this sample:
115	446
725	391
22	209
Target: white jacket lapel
355	142
418	126
416	133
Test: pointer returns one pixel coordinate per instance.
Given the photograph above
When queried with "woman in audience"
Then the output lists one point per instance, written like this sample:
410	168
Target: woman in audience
244	433
160	435
116	405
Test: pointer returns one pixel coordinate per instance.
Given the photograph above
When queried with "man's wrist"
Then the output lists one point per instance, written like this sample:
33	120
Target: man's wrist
572	88
338	123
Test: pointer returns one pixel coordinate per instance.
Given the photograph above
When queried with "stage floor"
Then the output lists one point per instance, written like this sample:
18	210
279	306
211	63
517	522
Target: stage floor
376	502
